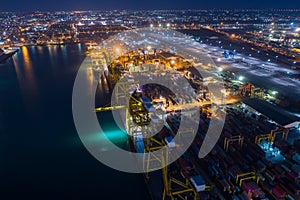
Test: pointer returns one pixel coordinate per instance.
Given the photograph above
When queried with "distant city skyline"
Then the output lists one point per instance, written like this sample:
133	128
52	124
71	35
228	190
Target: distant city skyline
58	5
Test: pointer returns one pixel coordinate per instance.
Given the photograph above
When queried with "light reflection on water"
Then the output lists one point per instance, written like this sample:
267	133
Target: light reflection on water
26	75
29	86
41	148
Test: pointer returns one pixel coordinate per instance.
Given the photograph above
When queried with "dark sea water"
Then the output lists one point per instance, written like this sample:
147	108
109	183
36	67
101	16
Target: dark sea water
41	155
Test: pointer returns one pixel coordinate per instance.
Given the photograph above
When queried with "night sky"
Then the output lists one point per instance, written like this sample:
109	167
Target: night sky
51	5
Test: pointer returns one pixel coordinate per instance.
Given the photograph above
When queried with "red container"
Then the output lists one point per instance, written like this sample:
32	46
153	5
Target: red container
292	176
278	192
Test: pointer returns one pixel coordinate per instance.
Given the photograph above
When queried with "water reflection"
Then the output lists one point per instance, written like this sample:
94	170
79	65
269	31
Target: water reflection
79	47
26	57
26	75
64	50
42	133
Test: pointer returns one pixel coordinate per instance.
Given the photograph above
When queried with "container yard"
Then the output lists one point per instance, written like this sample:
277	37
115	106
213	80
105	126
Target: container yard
254	158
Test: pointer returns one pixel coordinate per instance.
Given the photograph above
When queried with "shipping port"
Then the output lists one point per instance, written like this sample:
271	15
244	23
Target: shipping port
160	100
257	156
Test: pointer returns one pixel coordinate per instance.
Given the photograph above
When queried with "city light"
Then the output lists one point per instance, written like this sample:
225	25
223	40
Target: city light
240	65
274	92
117	49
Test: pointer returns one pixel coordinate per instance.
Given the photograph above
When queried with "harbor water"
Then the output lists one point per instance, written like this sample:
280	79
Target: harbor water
41	155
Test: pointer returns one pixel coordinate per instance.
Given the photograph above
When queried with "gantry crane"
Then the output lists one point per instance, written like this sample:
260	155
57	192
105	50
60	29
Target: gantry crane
136	109
284	131
237	138
137	114
272	135
173	187
268	137
176	189
247	90
259	92
246	176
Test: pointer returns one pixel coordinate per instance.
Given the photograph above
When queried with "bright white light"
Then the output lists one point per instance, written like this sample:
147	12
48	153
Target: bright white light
80	24
149	48
168	24
151	25
173	62
220	69
241	78
297	29
118	50
274	92
219	59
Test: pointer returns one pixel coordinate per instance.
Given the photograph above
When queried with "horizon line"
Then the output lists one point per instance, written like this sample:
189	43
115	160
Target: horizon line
200	9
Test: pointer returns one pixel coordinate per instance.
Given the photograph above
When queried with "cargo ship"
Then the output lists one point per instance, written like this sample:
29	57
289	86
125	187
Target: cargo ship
6	54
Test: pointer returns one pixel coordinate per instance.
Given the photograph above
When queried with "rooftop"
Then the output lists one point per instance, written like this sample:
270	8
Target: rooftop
277	114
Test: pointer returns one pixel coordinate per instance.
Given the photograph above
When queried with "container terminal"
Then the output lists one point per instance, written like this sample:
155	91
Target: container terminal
256	156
